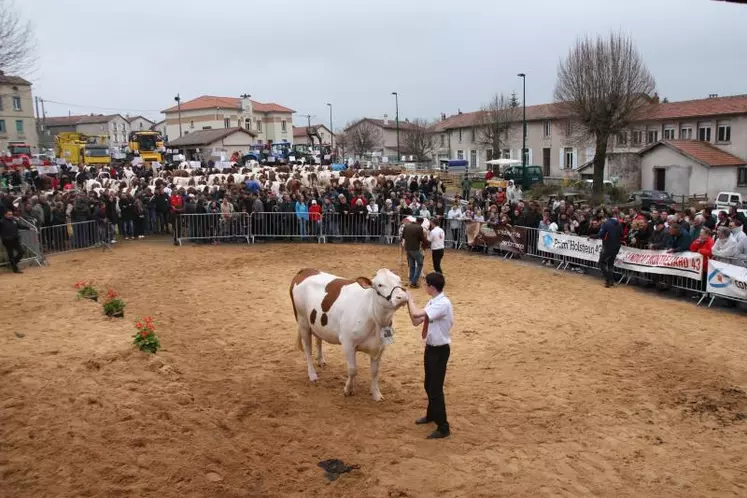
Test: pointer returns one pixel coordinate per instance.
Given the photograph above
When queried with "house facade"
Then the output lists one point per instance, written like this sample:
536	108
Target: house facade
270	122
17	121
115	127
139	123
387	146
301	136
221	142
553	144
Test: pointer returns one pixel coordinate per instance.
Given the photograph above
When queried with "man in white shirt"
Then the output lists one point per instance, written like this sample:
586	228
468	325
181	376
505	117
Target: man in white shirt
437	318
436	237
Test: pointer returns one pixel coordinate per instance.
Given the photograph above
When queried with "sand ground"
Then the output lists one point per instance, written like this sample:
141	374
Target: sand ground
556	386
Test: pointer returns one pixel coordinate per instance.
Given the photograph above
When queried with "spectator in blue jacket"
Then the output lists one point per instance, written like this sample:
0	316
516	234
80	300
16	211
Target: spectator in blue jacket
679	240
302	215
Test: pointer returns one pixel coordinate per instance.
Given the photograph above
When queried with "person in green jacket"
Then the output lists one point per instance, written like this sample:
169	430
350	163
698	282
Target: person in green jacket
466	186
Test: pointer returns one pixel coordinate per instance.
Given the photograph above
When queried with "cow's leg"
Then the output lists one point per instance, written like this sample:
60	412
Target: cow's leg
319	355
348	349
375	362
305	334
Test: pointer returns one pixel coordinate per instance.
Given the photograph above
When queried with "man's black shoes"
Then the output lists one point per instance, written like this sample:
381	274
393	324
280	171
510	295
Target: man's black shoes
422	421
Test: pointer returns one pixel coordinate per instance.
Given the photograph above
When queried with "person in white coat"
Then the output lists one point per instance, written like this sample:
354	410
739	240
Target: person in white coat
725	245
436	237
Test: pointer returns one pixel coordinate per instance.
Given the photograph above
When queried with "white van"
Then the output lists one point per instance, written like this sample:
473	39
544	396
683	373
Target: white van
724	200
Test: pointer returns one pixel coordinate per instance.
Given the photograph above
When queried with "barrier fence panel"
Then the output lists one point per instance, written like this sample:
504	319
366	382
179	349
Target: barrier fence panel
76	236
726	278
360	227
214	227
284	226
28	236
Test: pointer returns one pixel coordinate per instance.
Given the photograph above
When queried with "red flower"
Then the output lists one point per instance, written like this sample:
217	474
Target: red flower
139	325
143	334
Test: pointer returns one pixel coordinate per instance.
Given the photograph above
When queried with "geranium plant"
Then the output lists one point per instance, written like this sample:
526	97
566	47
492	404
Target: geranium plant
86	290
145	338
114	306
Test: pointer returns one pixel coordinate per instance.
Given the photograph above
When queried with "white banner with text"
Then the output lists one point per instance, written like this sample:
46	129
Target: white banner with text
571	246
681	264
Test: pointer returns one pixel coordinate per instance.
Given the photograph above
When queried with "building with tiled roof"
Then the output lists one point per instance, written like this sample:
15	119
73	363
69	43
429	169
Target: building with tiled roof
270	122
554	144
301	134
17	120
387	129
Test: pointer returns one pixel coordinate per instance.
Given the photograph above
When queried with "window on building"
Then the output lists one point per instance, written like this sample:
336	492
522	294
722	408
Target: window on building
686	134
283	126
637	136
506	154
569	158
191	125
226	122
724	133
652	136
141	125
19	126
1	103
2	126
443	140
489	155
460	135
460	154
473	134
742	176
259	125
704	133
473	158
547	129
669	134
248	124
622	138
16	103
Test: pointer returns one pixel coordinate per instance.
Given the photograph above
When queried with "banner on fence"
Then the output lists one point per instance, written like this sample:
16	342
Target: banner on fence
504	237
727	280
681	264
571	246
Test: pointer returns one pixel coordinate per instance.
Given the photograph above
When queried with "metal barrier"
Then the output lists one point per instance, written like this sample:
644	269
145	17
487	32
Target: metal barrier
28	236
213	227
741	262
361	227
284	226
76	236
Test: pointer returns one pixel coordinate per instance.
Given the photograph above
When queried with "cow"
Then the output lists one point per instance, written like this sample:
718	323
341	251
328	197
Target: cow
351	313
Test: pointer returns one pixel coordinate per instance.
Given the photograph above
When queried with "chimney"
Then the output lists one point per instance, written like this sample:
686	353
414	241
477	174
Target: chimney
655	98
712	95
386	119
459	111
443	116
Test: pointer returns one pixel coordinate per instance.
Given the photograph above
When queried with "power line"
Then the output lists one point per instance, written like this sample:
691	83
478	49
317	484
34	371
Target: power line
101	108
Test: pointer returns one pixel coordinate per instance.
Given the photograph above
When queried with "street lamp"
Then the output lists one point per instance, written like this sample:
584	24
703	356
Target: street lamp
179	107
331	132
396	117
524	131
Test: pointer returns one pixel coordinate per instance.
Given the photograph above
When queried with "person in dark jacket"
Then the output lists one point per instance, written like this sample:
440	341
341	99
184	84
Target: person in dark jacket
611	234
679	239
9	227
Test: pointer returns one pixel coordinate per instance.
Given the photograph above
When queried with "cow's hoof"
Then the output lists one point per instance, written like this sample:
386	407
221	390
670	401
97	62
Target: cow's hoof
349	392
321	362
313	377
378	397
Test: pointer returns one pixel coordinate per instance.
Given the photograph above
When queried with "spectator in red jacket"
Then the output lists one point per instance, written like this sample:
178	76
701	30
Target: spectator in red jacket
176	205
703	244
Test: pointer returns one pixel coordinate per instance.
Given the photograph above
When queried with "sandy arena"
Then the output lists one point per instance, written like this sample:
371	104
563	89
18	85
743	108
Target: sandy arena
556	386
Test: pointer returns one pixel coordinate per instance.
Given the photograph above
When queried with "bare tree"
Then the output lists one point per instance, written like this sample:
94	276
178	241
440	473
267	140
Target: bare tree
17	44
418	140
603	85
364	137
494	122
342	142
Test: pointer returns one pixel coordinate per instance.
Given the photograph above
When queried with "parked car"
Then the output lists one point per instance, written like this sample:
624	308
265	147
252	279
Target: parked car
653	199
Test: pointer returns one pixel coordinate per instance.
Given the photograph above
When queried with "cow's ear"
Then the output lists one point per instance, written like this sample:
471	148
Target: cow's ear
364	282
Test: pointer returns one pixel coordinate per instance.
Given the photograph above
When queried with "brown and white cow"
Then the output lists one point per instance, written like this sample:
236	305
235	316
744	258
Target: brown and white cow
351	313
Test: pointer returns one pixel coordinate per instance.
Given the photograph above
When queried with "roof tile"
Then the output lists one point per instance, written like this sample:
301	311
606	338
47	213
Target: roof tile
702	152
211	102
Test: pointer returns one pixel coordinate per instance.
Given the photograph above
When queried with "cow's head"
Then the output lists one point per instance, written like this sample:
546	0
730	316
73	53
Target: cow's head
388	285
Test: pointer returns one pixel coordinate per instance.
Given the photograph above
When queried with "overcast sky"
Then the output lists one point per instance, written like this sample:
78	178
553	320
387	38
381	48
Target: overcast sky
134	56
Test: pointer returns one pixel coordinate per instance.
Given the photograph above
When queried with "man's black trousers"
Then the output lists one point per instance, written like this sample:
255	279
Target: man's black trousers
436	358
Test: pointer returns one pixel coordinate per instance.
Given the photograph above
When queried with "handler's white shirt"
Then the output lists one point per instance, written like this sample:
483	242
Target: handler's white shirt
436	238
440	320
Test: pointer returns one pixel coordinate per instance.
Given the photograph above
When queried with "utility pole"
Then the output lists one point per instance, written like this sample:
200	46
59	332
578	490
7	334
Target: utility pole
524	132
396	117
44	119
38	120
308	131
179	108
331	132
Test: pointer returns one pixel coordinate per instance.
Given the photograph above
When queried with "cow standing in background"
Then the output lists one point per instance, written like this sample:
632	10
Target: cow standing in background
352	313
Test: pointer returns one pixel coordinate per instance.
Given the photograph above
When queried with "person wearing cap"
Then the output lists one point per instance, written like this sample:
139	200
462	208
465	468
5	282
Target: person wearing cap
437	319
679	239
413	238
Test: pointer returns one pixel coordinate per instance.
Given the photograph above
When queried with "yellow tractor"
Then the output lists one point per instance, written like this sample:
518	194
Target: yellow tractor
146	144
76	148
